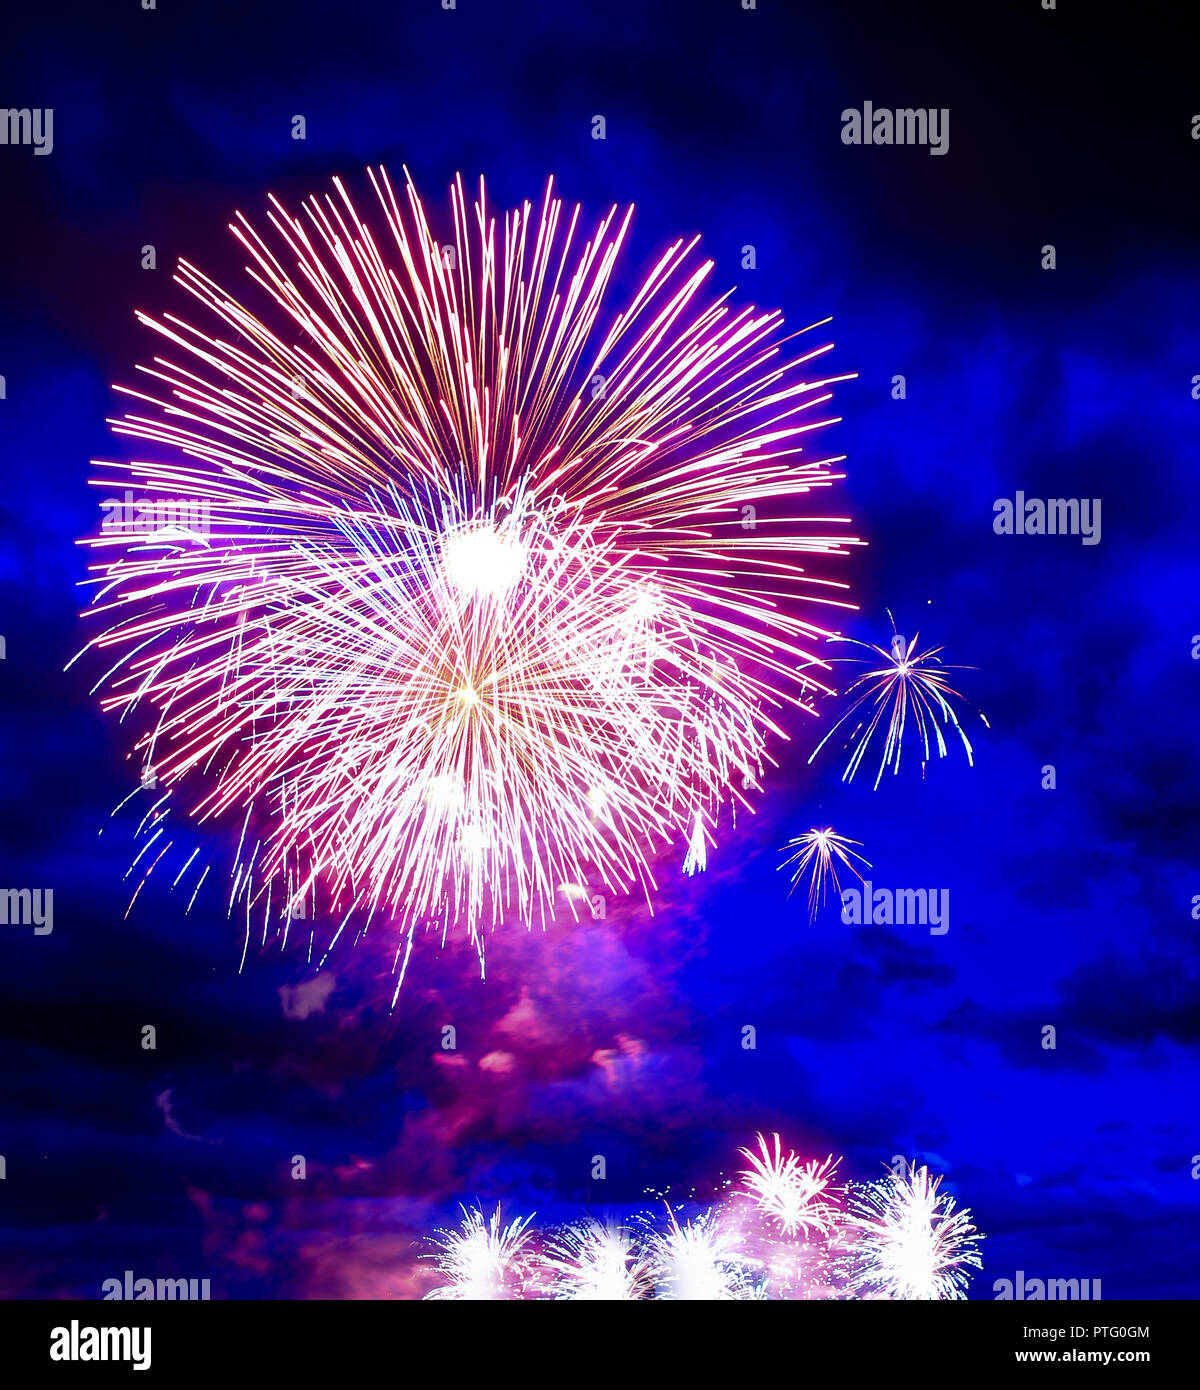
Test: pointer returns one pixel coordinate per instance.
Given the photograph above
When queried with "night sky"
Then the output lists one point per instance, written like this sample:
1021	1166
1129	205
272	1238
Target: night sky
1070	907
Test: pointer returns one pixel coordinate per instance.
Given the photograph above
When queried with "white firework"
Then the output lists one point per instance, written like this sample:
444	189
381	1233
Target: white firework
798	1196
597	1261
817	854
913	1243
701	1261
483	1259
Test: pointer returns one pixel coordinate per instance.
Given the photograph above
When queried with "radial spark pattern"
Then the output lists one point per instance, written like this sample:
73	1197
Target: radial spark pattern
702	1259
816	855
596	1261
483	583
899	684
483	1259
913	1243
797	1196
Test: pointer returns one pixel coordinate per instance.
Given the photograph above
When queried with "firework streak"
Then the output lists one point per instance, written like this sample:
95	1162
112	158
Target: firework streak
501	588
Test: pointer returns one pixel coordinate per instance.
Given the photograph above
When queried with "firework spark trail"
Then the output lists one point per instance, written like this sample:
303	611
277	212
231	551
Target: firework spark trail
913	1243
818	853
483	1259
474	560
899	682
593	1261
696	859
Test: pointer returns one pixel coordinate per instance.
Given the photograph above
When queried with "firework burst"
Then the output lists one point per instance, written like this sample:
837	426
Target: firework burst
596	1261
703	1260
912	1241
899	683
474	610
818	854
483	1259
797	1196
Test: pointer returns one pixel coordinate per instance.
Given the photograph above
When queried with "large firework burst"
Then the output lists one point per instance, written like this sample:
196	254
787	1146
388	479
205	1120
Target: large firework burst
899	682
493	588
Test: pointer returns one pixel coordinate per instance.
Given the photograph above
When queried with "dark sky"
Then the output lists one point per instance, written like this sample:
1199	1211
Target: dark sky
1070	907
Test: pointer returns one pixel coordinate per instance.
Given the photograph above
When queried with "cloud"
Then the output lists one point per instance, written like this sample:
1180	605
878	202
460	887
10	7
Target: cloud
307	998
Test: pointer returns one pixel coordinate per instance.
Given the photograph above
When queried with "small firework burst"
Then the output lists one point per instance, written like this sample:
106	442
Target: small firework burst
597	1261
483	1259
817	854
797	1196
702	1261
900	682
912	1241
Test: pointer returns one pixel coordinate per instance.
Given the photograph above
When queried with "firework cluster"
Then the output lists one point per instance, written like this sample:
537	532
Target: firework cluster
785	1229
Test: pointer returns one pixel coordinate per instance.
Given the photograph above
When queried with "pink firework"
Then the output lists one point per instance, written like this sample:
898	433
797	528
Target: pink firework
469	583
